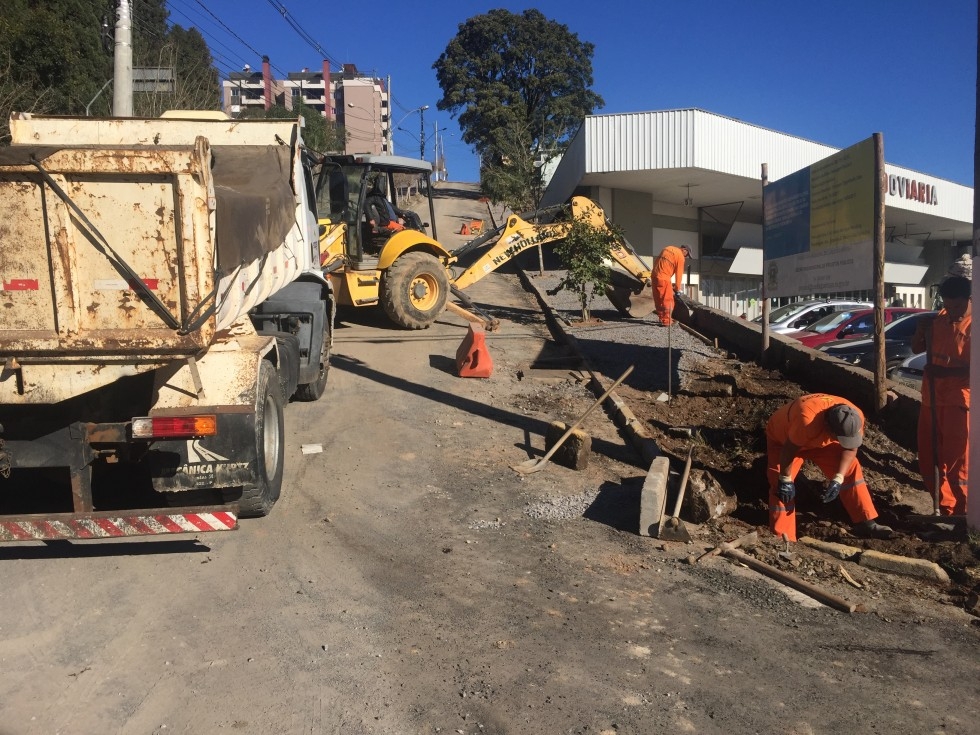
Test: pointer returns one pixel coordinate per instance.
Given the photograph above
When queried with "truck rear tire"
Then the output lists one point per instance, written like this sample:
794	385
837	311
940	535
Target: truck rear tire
414	290
312	391
257	500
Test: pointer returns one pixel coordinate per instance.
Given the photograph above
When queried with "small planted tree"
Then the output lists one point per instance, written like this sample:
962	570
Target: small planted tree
585	255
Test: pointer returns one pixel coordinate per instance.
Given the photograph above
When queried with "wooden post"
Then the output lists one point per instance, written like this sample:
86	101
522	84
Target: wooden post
881	379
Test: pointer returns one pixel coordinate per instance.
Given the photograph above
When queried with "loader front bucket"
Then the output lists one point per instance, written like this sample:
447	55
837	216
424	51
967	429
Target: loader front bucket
629	296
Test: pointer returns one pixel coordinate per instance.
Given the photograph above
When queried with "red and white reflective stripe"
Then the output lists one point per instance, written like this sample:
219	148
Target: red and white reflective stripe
112	526
120	284
20	284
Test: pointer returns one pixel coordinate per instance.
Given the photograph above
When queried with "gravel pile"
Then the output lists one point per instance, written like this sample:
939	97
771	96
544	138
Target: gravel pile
616	342
562	508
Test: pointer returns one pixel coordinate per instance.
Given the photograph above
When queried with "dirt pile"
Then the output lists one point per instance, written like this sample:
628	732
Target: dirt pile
725	404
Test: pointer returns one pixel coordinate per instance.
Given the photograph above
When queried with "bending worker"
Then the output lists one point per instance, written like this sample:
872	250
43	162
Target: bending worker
827	430
944	417
669	264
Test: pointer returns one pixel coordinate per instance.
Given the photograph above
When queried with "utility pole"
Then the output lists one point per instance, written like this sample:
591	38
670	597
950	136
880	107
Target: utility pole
387	132
122	88
422	110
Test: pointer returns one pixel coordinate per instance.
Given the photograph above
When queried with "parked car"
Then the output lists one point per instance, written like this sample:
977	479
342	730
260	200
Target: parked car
847	324
898	343
909	371
802	314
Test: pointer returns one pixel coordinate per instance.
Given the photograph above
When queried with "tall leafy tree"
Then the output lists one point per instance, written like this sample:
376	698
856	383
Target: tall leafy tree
519	85
56	56
56	47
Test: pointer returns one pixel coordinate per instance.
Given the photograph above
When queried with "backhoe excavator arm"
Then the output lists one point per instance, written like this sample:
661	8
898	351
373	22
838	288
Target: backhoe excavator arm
518	234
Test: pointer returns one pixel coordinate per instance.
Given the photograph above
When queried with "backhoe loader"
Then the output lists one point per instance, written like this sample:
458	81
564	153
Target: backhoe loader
398	265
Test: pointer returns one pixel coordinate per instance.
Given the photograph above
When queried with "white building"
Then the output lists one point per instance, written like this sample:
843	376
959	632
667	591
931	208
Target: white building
692	177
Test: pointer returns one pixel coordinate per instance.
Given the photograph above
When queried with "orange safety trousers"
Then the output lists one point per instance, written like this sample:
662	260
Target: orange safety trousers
854	493
663	297
953	438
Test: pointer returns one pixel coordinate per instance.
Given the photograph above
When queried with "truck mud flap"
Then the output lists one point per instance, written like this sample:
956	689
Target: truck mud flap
225	460
116	524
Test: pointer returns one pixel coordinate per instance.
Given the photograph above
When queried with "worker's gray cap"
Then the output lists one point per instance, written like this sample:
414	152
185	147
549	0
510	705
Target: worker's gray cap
846	424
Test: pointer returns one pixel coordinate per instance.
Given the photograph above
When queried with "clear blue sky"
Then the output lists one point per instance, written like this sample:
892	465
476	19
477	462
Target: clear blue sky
833	72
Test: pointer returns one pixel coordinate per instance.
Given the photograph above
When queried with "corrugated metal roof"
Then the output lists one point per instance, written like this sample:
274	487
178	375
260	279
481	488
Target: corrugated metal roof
613	150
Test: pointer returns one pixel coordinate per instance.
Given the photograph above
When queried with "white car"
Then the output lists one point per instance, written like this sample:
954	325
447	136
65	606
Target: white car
910	371
801	314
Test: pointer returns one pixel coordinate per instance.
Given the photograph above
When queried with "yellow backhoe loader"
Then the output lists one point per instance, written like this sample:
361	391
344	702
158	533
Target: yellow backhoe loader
377	253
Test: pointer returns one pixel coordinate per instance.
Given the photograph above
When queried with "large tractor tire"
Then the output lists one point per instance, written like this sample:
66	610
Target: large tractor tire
313	390
258	499
414	290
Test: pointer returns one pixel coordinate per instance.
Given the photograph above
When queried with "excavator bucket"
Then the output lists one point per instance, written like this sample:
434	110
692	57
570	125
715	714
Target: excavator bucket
681	312
629	296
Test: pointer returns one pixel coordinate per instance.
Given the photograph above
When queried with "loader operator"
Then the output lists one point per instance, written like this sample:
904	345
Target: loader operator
669	264
827	430
381	214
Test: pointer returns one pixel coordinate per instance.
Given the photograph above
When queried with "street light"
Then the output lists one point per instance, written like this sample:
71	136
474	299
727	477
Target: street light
421	111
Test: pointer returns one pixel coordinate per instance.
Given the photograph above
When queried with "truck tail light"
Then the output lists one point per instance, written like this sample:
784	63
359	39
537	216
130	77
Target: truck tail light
172	427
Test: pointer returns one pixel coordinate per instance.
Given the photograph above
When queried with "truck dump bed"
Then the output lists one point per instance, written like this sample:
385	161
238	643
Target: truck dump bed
121	257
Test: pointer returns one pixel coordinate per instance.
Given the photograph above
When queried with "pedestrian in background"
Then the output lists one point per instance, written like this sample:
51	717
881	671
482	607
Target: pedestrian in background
668	265
944	416
827	430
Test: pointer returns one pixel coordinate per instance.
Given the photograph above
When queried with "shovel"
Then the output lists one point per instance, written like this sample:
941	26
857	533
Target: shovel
535	465
673	528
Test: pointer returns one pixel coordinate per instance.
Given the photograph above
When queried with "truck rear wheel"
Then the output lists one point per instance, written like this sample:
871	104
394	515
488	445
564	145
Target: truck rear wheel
312	391
257	500
414	290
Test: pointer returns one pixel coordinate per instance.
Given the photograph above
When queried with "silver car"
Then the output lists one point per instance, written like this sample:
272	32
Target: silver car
801	314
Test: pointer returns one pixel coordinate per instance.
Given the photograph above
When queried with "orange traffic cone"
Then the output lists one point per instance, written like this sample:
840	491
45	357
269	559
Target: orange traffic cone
473	358
465	230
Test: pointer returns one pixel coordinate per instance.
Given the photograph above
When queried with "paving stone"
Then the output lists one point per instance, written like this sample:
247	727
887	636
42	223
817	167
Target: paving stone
653	497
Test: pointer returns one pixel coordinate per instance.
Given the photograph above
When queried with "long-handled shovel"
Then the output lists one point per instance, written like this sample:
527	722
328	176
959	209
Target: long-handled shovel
673	528
535	465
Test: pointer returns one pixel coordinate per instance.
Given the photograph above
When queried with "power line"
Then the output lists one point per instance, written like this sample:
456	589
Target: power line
241	40
239	62
302	31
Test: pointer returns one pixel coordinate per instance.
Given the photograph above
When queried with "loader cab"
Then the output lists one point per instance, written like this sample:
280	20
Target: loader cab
343	184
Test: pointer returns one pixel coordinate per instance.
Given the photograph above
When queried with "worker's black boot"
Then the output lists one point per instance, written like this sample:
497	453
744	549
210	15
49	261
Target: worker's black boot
873	529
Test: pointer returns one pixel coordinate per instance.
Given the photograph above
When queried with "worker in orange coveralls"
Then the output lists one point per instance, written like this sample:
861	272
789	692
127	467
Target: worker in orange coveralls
827	430
669	264
944	417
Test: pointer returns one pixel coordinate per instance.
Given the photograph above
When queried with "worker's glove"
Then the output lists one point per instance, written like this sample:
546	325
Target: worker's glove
833	489
786	490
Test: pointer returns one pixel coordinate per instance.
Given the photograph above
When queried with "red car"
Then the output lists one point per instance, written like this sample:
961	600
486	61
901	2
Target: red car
845	324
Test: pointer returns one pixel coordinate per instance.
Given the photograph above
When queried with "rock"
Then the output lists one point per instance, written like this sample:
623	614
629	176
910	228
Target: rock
705	498
574	453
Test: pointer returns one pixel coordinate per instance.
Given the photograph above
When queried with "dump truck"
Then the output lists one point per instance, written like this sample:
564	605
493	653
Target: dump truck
410	274
161	299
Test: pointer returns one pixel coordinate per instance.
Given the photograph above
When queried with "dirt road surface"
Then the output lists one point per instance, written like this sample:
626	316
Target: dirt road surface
409	581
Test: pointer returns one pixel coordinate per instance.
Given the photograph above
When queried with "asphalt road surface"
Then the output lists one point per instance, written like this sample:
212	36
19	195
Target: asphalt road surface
409	581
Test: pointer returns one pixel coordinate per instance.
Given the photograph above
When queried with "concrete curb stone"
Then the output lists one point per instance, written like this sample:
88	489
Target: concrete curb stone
839	551
903	565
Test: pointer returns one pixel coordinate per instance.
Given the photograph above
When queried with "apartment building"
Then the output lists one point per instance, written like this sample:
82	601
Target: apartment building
359	102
